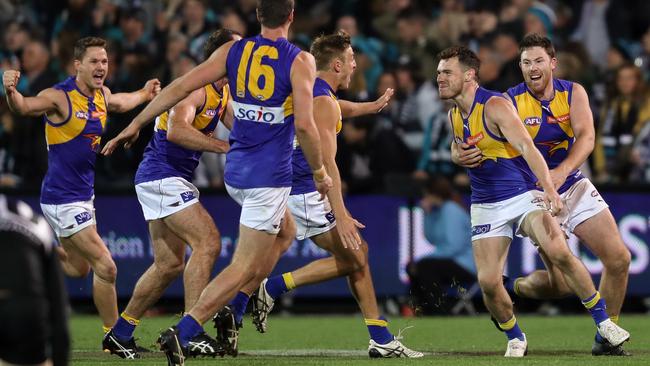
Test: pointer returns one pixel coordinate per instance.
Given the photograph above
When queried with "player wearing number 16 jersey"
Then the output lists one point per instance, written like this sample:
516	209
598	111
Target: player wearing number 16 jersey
271	83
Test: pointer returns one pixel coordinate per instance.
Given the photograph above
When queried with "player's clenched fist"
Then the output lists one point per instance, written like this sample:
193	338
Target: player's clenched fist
10	80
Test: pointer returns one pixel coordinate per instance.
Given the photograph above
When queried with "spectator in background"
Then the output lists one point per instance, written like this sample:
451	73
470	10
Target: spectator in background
540	18
367	154
506	47
195	25
76	17
8	142
622	118
371	48
435	157
231	19
416	104
450	25
386	22
450	264
413	43
592	31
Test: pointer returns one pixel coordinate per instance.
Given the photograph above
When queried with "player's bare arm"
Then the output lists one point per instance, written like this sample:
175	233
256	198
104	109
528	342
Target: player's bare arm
228	117
326	115
582	123
181	132
303	74
124	102
49	101
501	116
352	109
212	69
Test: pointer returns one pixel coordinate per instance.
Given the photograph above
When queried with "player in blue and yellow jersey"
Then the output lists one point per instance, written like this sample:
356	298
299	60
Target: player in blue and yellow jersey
557	115
504	196
330	227
75	113
170	203
271	82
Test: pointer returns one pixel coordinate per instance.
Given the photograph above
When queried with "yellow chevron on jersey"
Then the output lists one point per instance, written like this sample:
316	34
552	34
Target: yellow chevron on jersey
214	105
502	173
549	124
474	131
538	115
81	110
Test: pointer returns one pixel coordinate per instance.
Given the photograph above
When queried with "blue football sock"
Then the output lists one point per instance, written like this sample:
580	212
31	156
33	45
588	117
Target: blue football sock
124	327
276	286
597	307
238	306
188	328
378	329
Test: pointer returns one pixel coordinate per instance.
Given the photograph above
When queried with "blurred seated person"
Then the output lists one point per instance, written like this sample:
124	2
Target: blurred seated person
450	264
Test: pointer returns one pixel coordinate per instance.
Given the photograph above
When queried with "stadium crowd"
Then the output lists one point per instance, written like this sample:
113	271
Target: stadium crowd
604	45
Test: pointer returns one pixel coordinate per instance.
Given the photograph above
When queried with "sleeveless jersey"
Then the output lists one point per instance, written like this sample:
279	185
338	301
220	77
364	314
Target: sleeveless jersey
165	159
303	181
261	141
549	124
72	146
503	172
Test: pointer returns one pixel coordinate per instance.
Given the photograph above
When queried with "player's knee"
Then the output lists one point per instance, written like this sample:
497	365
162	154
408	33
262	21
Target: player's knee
619	262
106	270
489	283
561	257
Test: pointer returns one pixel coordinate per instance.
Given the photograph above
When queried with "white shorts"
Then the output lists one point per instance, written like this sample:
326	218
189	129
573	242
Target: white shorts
581	202
499	218
163	197
312	216
69	218
262	209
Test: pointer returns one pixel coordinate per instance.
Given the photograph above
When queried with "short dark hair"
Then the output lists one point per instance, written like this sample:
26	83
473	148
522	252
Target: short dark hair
326	47
466	57
537	40
217	39
439	185
83	44
274	13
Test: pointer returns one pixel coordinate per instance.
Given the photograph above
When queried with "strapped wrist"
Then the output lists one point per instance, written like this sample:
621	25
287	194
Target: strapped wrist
320	174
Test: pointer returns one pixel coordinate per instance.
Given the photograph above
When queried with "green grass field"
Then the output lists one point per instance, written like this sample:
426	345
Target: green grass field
342	340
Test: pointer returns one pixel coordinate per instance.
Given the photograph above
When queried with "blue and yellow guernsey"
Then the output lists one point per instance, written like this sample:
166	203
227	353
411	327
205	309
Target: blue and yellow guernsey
503	172
549	124
303	181
165	159
261	141
72	146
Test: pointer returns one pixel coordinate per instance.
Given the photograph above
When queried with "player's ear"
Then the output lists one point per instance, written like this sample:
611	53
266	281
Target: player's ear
553	63
338	64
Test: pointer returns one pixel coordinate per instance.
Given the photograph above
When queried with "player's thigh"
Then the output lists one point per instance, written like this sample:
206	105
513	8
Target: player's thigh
86	245
331	242
544	230
600	234
253	248
194	225
168	248
490	254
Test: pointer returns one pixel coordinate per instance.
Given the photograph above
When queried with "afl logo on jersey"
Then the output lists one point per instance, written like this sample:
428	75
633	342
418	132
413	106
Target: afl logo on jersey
533	121
211	112
81	115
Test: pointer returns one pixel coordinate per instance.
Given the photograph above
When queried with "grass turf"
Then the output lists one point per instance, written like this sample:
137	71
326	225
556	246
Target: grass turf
342	340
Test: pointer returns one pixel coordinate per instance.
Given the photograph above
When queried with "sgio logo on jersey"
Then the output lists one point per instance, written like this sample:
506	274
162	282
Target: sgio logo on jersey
256	113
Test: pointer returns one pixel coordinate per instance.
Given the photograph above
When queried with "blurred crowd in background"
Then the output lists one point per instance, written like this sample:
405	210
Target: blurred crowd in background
604	45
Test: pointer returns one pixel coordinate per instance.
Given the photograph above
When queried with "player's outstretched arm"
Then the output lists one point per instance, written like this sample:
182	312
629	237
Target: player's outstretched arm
180	130
212	69
303	74
45	102
582	123
502	114
124	102
353	109
326	116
